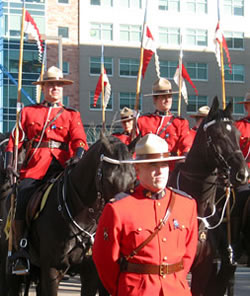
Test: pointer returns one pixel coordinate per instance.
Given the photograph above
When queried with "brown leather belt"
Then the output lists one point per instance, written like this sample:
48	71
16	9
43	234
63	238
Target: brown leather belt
153	269
51	144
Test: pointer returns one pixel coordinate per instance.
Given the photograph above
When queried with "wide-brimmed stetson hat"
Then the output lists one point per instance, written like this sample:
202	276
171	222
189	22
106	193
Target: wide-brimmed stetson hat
202	112
246	100
52	75
152	148
126	114
161	86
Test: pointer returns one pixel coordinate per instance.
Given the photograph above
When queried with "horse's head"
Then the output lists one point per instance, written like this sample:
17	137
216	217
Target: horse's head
114	177
222	139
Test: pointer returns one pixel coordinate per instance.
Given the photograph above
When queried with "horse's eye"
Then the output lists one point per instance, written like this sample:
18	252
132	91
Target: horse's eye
228	127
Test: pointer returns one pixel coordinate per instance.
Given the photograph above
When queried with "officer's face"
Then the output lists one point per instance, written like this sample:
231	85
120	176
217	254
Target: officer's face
153	176
53	91
163	103
127	125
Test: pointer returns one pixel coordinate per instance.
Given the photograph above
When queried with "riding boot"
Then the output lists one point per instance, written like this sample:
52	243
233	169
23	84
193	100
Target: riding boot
20	258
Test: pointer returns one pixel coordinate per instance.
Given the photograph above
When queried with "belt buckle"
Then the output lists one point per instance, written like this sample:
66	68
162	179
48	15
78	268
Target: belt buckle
162	266
50	145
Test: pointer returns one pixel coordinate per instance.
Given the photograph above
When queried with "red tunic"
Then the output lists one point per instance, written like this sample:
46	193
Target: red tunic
67	128
124	137
243	126
126	223
172	129
189	139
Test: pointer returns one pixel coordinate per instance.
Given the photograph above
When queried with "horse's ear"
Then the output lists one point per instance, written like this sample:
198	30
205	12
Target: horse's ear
229	109
215	106
105	141
131	146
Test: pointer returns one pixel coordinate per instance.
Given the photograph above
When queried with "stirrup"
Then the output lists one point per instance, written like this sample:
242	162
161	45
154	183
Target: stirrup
24	267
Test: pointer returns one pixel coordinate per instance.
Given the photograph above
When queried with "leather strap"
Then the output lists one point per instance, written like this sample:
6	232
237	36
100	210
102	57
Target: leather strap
51	144
153	269
157	229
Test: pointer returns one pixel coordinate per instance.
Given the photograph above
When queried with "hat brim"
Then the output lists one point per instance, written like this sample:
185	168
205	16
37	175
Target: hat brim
123	120
196	115
161	93
64	81
164	159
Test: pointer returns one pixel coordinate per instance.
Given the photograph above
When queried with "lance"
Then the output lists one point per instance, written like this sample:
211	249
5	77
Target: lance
39	90
18	110
180	80
102	81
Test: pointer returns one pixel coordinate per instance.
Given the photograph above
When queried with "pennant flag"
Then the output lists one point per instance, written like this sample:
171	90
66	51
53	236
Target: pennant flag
98	89
185	76
149	49
220	39
31	28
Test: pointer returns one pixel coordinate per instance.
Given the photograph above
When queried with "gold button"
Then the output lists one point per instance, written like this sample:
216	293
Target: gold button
158	204
161	220
165	258
164	276
182	226
164	239
139	229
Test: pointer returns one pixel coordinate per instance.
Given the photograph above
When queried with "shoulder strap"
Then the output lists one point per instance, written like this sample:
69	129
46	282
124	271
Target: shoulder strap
167	125
157	229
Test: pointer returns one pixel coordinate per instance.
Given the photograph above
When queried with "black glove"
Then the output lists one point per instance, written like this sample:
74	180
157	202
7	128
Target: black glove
78	155
10	170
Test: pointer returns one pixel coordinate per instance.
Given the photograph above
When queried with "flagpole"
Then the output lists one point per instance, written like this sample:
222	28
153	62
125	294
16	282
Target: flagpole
180	77
38	99
18	110
222	77
102	77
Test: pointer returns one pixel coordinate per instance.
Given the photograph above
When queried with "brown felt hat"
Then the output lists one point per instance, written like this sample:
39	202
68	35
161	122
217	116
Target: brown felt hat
246	100
202	112
53	74
161	86
126	114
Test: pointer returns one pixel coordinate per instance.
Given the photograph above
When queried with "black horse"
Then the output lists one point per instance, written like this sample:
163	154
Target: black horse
62	234
215	153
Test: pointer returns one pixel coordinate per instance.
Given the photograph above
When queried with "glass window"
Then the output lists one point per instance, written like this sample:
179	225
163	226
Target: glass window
63	1
234	40
196	6
197	71
129	67
169	36
63	31
131	3
108	3
174	108
234	7
170	5
127	99
130	33
196	37
238	109
66	101
66	68
195	102
101	31
237	75
168	68
99	102
95	65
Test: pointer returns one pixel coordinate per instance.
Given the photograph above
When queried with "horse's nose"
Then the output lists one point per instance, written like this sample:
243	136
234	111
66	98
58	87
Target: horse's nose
242	176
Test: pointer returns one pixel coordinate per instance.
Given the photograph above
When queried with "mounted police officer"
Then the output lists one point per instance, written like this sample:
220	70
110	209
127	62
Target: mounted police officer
162	122
146	242
53	134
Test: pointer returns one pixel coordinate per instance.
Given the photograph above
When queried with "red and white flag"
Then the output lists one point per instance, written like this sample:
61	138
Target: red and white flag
98	89
220	39
31	28
149	47
185	76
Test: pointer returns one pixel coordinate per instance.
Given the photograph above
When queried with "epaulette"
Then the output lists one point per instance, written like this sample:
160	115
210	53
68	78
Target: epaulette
146	114
119	196
183	193
70	108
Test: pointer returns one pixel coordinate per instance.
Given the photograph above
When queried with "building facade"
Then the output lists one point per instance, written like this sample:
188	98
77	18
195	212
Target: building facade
86	26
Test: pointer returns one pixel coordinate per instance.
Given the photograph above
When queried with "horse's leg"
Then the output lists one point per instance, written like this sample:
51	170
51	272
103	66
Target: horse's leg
89	277
49	280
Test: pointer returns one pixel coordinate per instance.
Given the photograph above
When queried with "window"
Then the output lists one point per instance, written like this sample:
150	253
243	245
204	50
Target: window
195	102
174	108
168	68
196	6
173	5
66	68
130	33
129	67
99	102
127	99
101	31
234	7
169	36
63	31
63	1
108	3
234	40
131	3
95	65
237	75
66	101
238	109
196	37
197	71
